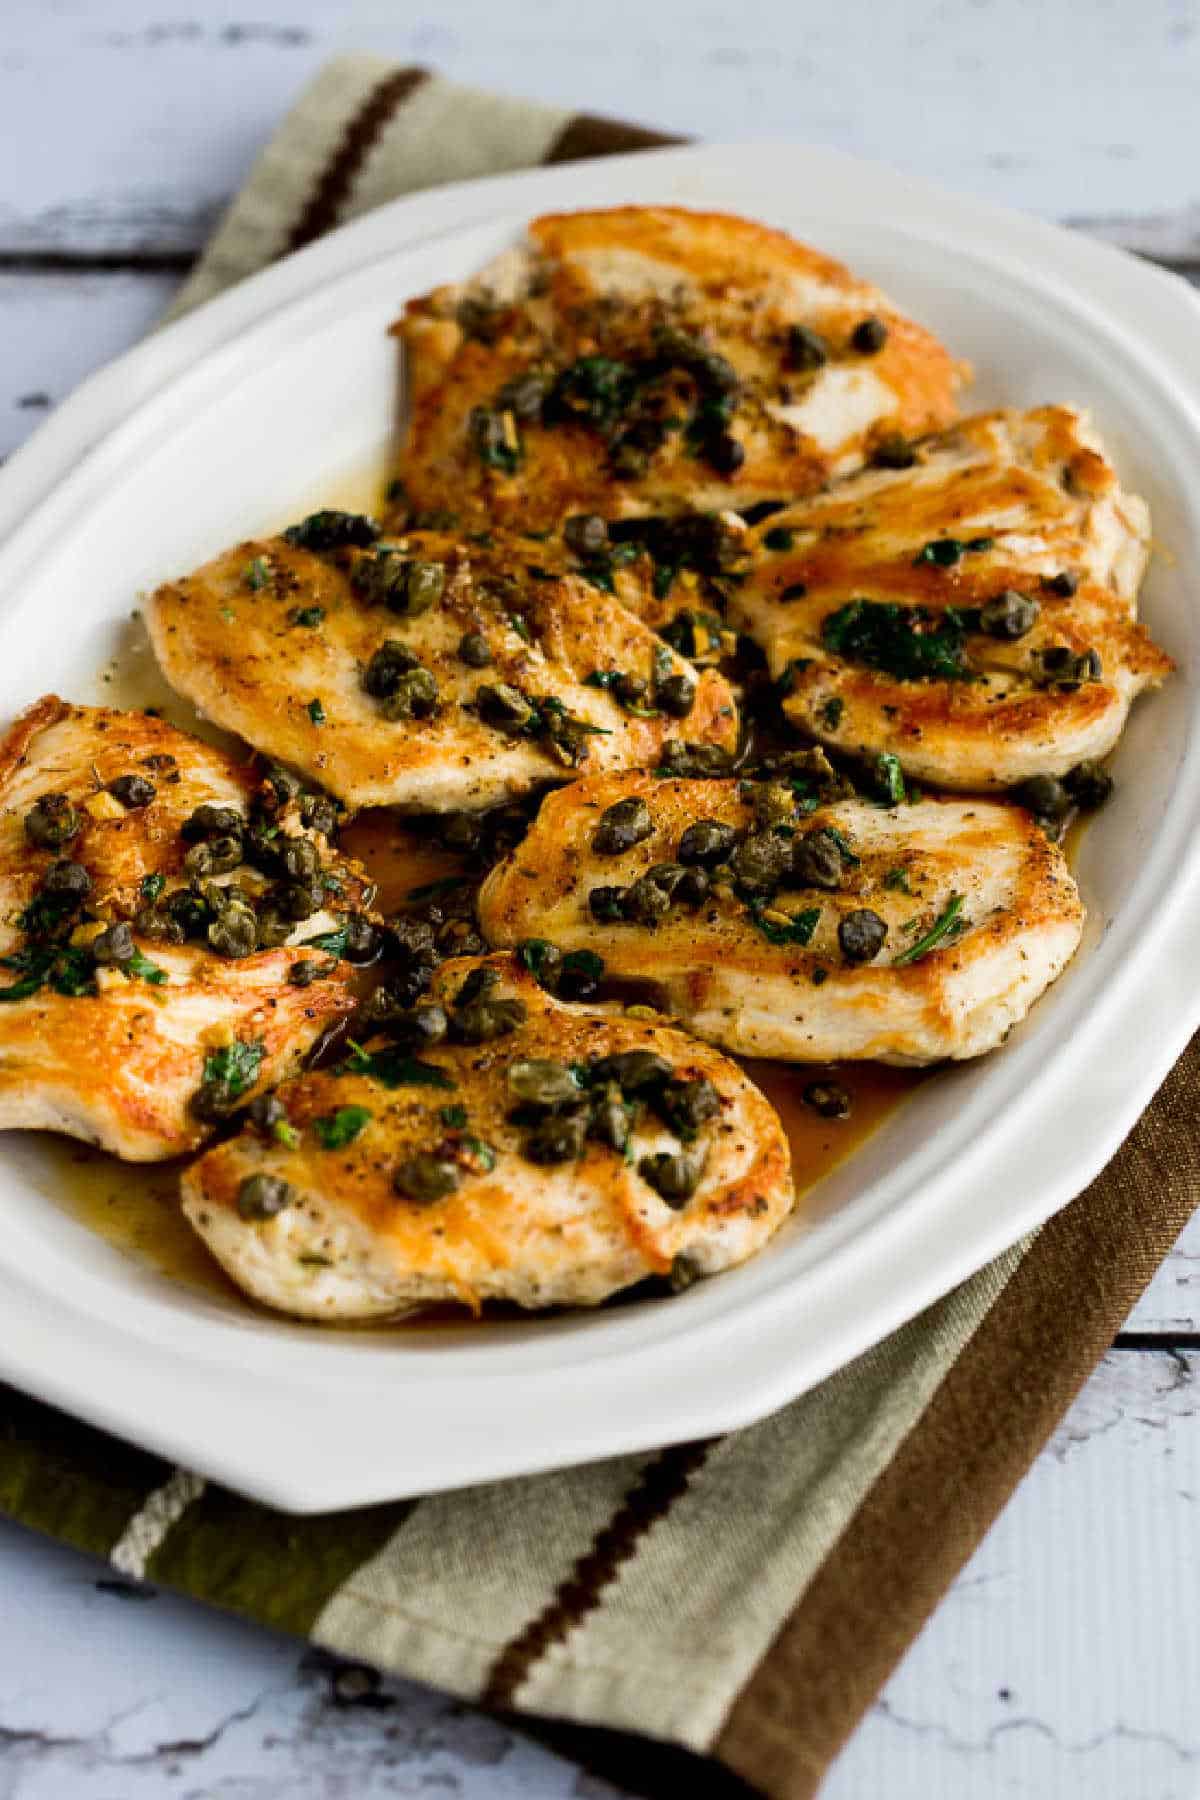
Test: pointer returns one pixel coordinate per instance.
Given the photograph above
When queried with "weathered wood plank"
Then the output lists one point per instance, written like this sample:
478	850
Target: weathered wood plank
1089	128
56	329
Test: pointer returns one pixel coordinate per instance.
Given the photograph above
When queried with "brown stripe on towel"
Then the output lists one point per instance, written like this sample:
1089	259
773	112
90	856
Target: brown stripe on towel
320	213
659	1486
585	135
957	1469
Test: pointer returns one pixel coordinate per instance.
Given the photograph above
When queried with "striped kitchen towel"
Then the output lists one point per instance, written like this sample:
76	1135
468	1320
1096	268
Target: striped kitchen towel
739	1600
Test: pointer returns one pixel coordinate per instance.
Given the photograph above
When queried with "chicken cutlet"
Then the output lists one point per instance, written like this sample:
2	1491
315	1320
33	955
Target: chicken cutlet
424	671
496	1144
973	613
777	922
156	902
654	358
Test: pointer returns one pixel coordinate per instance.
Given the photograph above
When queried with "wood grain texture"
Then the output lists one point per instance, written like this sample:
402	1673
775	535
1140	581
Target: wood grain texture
949	89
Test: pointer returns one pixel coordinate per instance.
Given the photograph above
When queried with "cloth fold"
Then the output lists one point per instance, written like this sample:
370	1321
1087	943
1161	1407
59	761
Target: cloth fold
740	1599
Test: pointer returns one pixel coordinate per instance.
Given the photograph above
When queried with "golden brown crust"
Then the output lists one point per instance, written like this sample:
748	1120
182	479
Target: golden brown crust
238	653
604	284
537	1234
721	974
120	1066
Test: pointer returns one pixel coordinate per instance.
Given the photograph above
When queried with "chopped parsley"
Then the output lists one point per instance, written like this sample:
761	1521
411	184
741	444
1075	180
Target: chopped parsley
257	574
316	712
947	924
152	887
68	972
234	1067
306	615
335	1130
896	881
798	931
453	1116
144	969
909	642
889	777
393	1069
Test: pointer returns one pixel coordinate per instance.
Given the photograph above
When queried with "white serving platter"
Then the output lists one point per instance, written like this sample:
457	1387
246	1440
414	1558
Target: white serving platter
241	415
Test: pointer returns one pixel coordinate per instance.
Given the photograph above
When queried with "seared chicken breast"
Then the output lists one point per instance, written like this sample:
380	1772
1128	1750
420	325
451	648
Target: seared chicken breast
423	671
532	1151
972	613
652	358
151	977
777	925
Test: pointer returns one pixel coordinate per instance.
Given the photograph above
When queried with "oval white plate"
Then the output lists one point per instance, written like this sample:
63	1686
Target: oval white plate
230	422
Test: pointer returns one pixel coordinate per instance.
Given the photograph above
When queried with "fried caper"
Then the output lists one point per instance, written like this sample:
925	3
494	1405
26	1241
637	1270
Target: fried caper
611	1119
686	1105
234	931
51	822
215	856
1045	796
707	842
869	336
415	697
426	1178
303	972
67	880
364	941
556	1139
861	935
676	696
387	668
806	349
774	803
133	791
474	650
760	862
679	758
586	534
1009	615
648	900
481	1021
114	946
828	1098
266	1111
725	453
1088	785
818	860
674	1175
263	1196
299	858
607	904
211	821
333	530
504	707
633	1071
537	1081
622	825
319	812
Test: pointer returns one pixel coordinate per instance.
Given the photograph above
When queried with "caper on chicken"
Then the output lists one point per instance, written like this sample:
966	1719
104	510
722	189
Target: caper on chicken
424	671
774	919
970	608
652	359
157	902
494	1142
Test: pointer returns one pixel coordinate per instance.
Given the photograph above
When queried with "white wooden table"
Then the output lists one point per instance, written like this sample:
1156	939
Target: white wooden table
1065	1663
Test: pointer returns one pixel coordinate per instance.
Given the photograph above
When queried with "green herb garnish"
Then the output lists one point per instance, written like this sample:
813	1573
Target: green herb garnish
335	1130
800	930
235	1066
455	1117
896	880
152	886
393	1069
947	924
316	712
890	778
144	969
909	642
306	615
256	574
